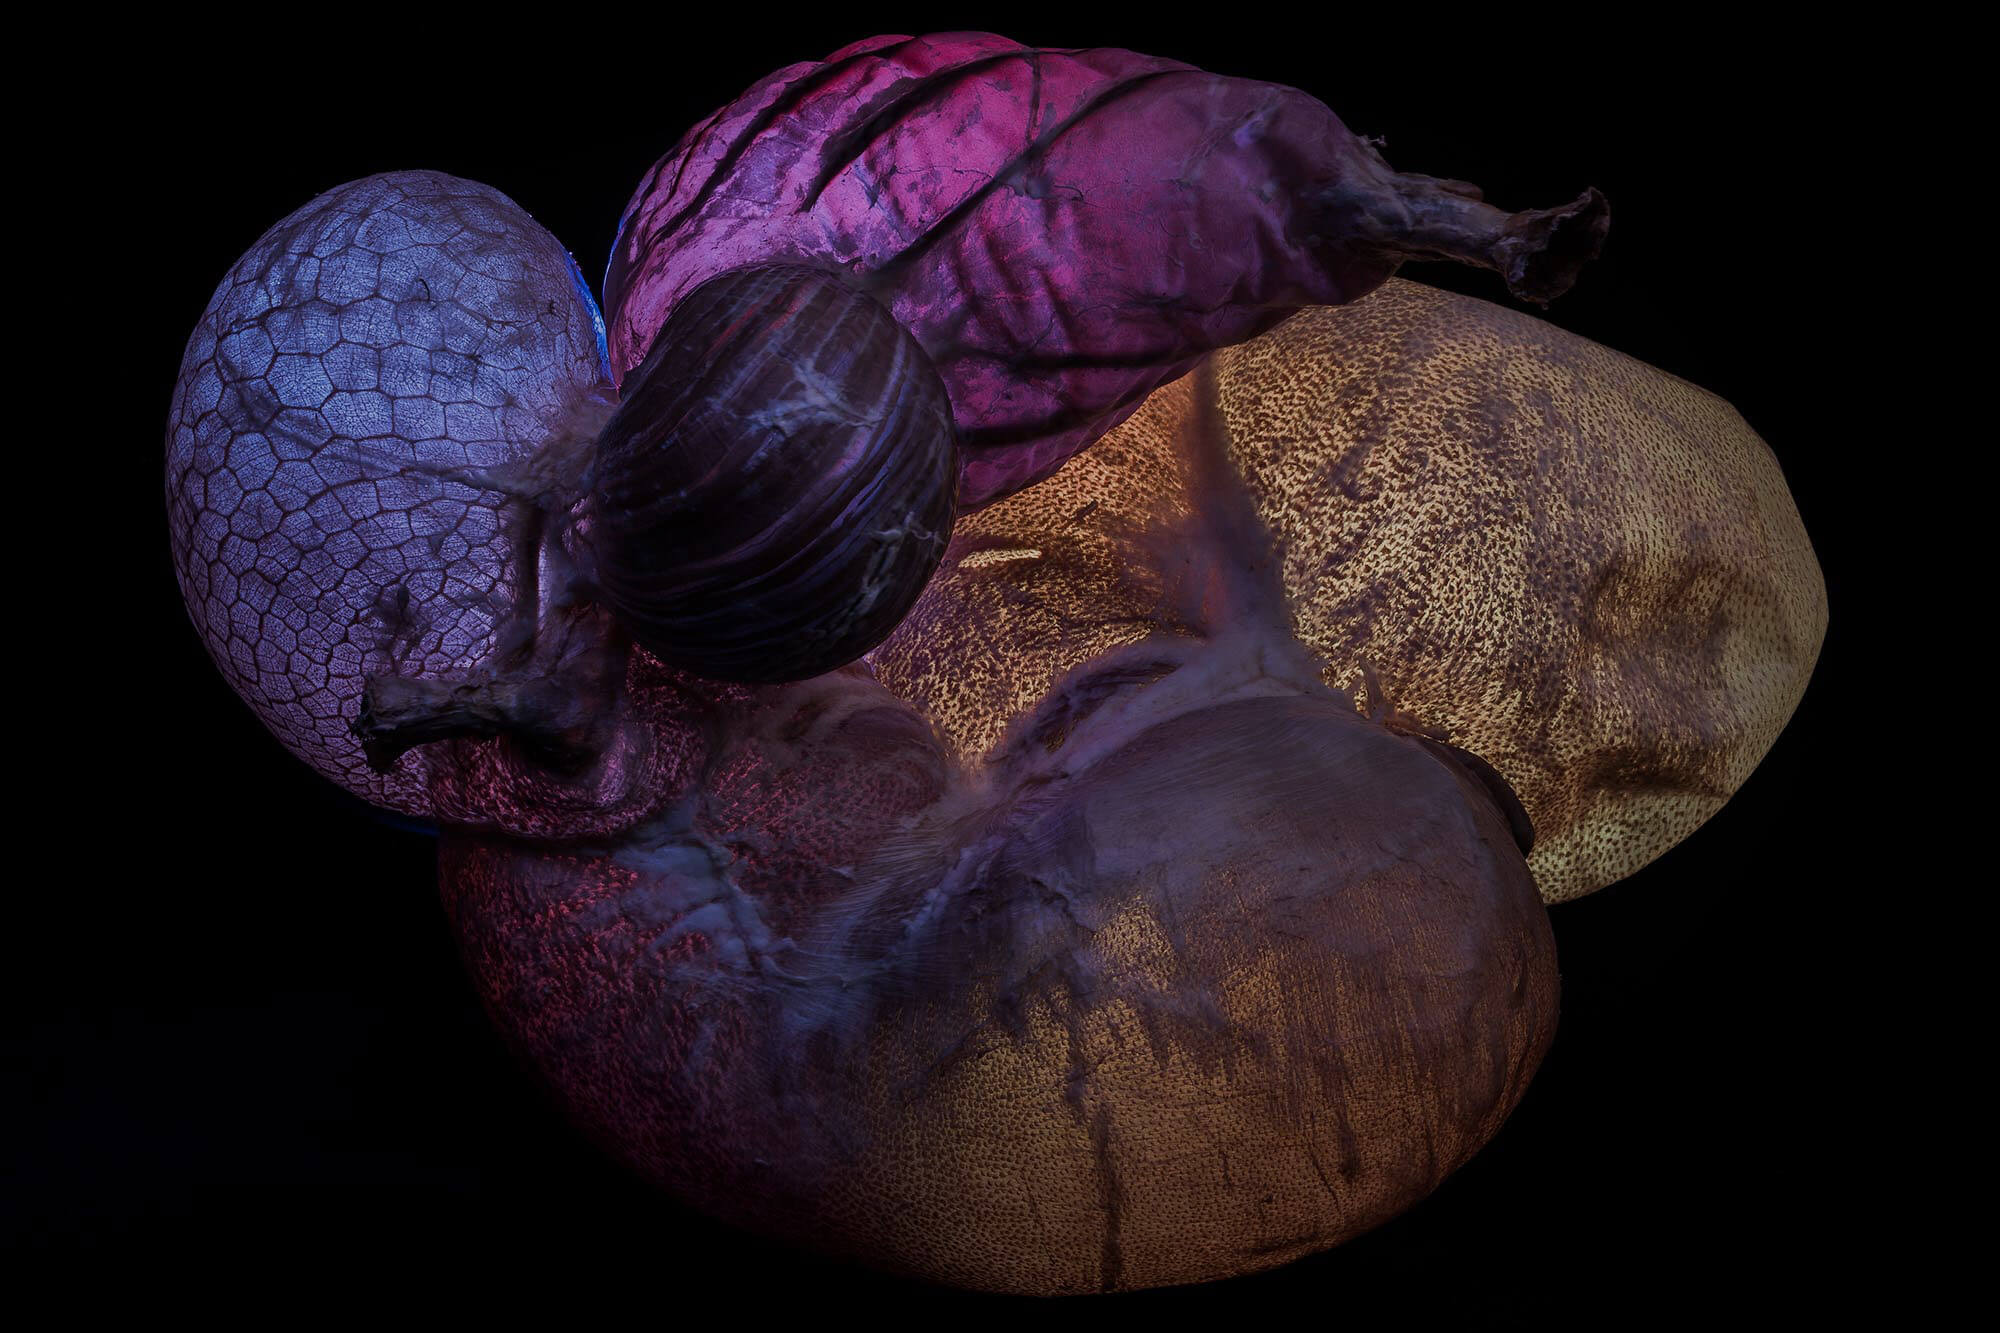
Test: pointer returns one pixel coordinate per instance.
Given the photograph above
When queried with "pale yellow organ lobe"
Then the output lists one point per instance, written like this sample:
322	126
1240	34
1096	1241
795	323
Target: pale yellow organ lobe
995	629
1583	569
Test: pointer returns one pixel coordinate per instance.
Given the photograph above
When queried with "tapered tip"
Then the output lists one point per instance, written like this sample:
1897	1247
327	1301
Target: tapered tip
1545	248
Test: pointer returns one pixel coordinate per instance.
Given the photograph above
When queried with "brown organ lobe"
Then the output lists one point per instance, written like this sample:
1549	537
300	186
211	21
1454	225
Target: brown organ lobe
1585	571
1228	976
1199	971
1084	935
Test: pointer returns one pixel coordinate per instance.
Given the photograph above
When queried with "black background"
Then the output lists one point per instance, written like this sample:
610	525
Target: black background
247	1054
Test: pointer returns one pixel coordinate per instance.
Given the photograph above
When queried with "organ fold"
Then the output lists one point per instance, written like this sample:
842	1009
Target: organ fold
1086	934
1063	231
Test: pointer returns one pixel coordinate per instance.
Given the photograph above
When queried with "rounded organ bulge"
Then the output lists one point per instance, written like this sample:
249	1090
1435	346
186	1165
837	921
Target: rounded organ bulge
1220	976
1583	570
1136	914
1194	971
1098	931
348	451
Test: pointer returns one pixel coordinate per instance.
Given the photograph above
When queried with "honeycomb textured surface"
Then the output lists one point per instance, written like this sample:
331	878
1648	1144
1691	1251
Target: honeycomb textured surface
1251	983
337	445
1584	570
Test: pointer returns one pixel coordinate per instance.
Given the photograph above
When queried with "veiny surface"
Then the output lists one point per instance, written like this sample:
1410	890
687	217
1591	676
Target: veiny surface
1185	997
1061	230
1304	980
1201	972
1582	569
347	410
778	482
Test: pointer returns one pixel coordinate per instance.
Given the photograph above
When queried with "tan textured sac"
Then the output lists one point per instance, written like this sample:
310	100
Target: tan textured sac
1346	1005
1585	570
1216	983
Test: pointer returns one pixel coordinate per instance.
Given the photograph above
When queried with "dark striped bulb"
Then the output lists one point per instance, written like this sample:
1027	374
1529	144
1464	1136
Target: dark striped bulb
779	480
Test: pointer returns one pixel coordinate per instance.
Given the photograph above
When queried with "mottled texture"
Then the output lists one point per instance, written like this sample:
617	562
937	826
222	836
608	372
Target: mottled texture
1202	971
1087	936
1583	570
341	447
1214	984
1061	230
778	482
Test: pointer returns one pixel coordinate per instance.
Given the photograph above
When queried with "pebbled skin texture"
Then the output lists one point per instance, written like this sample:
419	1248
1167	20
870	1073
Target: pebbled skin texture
1585	571
340	444
1197	972
1227	976
1086	937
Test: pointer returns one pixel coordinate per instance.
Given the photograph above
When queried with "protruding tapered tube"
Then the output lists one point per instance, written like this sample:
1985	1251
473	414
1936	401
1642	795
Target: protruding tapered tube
1401	215
556	701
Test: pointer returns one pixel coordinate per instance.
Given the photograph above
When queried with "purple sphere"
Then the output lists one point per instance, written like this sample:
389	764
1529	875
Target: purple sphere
349	411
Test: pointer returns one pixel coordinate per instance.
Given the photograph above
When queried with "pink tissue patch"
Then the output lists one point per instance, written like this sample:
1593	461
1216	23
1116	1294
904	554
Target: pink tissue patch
351	380
1062	231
